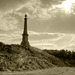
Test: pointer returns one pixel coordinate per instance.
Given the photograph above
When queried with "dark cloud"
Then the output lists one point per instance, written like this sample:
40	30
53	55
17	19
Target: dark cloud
51	2
64	23
6	5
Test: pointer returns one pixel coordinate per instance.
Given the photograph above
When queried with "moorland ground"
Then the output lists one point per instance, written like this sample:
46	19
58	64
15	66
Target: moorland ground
51	71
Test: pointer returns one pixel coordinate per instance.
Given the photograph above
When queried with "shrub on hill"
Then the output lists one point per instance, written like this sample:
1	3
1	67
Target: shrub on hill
65	55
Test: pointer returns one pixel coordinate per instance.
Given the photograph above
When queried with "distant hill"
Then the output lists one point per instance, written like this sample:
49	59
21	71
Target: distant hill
17	58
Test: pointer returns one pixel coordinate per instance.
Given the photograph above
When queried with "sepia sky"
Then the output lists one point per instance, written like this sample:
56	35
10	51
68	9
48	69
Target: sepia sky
51	23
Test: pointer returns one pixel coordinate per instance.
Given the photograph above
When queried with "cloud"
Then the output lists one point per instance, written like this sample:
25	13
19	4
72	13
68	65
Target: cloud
64	23
70	5
45	45
3	23
51	1
45	36
49	26
7	5
49	19
34	9
7	22
58	40
51	41
44	40
13	37
33	33
66	41
71	47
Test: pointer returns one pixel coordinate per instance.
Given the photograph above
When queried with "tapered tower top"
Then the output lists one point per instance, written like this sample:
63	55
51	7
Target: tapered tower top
25	15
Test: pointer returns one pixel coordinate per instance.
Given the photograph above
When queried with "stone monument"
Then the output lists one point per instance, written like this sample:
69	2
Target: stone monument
25	41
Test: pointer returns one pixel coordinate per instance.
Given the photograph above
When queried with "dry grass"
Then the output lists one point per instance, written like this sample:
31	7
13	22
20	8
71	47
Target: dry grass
51	71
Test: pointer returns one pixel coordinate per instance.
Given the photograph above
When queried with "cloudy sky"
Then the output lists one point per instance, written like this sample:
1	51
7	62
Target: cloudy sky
51	23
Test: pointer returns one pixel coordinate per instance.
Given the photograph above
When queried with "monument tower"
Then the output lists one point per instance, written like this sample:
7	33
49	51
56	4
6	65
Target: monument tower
25	42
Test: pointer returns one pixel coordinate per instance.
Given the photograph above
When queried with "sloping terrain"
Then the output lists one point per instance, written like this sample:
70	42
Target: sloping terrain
68	57
16	57
50	71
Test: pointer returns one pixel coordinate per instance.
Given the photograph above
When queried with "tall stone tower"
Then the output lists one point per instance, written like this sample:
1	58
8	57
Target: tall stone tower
25	42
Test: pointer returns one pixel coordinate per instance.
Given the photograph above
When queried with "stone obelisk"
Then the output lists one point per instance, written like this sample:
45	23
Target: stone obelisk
25	42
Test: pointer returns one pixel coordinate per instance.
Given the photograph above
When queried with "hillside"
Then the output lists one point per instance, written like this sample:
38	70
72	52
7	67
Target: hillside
50	71
66	55
17	58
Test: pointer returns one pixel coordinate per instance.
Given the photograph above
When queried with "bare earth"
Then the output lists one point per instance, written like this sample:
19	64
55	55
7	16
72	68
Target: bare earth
51	71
